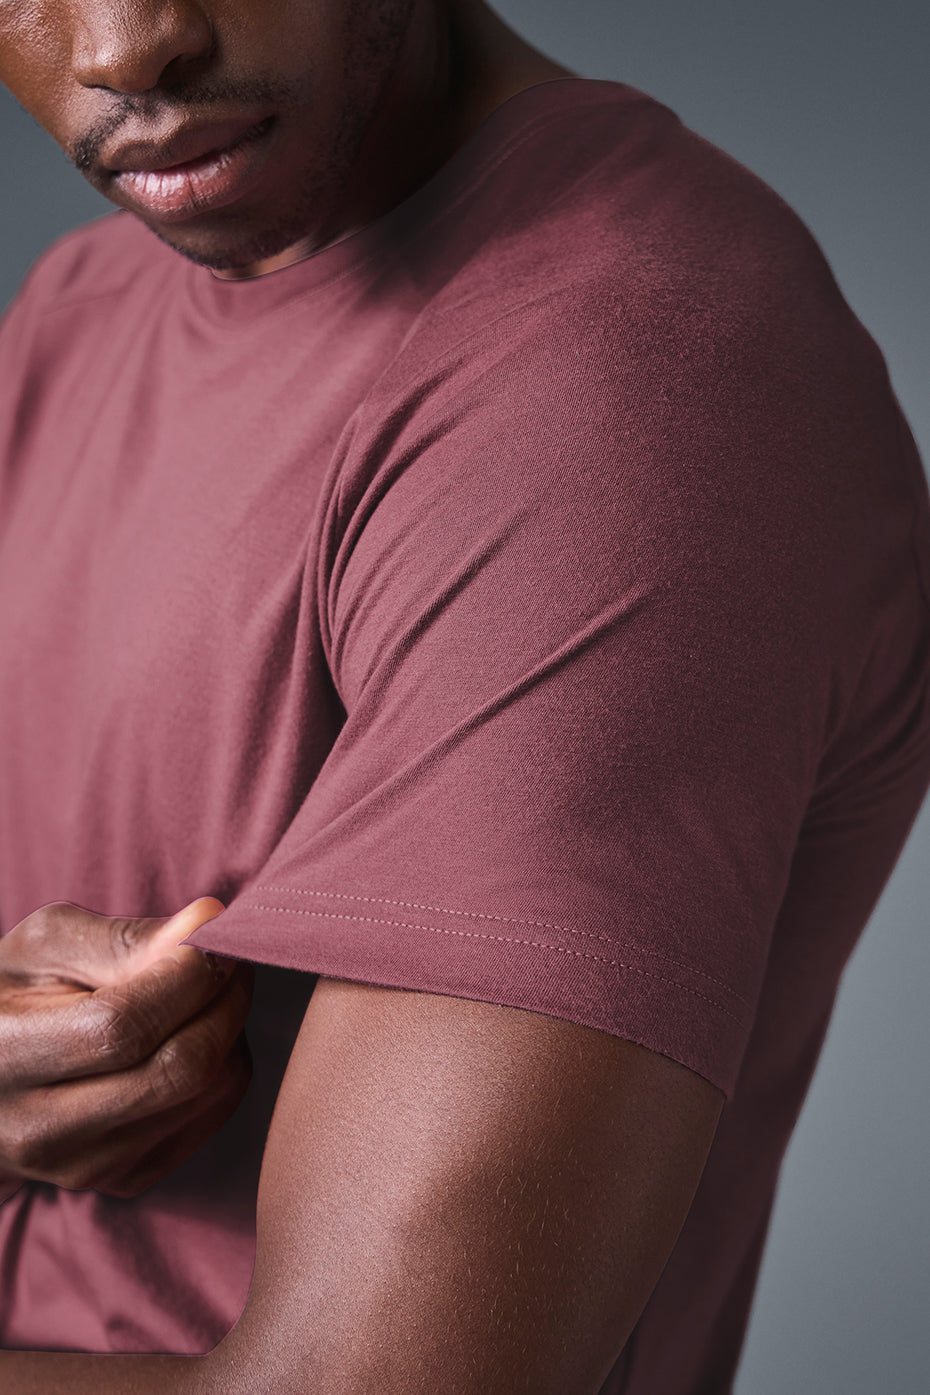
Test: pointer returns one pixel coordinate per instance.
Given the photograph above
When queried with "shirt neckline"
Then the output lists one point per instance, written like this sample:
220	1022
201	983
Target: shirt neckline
233	302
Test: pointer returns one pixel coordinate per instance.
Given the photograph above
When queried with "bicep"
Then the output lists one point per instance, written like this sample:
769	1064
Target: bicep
464	1197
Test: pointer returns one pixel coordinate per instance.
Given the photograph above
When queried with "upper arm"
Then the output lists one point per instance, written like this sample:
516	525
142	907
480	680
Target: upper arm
575	606
462	1197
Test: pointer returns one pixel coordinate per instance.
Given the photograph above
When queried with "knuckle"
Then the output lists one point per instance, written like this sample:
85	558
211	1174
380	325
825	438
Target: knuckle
129	934
176	1073
50	916
121	1030
126	933
111	1033
44	922
41	1153
28	1143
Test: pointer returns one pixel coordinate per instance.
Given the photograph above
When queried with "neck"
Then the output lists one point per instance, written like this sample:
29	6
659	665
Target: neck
447	81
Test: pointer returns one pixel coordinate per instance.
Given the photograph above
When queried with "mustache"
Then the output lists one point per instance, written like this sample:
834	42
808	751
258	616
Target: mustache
183	102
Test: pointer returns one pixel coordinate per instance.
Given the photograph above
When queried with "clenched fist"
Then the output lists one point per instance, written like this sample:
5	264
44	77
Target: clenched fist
121	1050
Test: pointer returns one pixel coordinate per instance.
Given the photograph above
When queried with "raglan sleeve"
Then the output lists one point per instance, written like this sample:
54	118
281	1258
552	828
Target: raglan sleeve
572	597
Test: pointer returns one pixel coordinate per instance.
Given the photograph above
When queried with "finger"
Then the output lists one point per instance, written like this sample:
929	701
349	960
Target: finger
153	939
125	1160
45	1039
145	1011
74	1115
63	943
141	1160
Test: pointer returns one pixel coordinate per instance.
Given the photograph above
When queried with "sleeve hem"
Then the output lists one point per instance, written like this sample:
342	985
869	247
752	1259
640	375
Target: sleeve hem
610	989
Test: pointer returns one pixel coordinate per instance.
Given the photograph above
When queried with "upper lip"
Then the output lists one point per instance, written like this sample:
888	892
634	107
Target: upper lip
179	146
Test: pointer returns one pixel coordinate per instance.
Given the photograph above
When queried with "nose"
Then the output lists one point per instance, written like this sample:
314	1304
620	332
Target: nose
129	45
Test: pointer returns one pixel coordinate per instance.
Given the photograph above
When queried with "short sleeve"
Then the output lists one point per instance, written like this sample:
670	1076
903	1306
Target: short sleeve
573	596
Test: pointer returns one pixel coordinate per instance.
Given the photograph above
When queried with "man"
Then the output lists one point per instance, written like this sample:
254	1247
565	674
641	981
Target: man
459	545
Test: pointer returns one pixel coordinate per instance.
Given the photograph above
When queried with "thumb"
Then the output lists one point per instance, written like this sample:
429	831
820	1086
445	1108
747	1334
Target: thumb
177	928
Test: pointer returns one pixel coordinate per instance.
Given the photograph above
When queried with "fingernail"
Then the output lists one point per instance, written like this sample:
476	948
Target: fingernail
204	908
190	917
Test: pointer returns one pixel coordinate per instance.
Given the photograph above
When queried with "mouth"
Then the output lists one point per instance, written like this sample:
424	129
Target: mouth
214	179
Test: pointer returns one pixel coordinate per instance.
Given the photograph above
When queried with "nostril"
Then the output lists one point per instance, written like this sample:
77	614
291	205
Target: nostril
188	68
132	55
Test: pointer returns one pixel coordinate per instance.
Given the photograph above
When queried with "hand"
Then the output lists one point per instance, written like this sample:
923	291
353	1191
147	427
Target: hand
121	1050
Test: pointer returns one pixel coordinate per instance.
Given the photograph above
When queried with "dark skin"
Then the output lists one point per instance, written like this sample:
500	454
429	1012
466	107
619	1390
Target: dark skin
121	1049
368	99
516	1182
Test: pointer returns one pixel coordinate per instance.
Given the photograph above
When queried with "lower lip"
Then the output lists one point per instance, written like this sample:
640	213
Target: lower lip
184	191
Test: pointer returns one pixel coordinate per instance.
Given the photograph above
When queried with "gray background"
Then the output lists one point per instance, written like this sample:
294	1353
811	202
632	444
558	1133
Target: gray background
827	101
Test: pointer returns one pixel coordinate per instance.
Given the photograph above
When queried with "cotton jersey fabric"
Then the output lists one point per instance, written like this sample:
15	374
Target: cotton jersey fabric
523	599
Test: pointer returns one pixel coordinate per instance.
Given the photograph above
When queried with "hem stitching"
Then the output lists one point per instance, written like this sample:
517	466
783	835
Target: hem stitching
503	939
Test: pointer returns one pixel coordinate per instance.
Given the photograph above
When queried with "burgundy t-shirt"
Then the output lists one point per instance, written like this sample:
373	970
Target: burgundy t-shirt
523	599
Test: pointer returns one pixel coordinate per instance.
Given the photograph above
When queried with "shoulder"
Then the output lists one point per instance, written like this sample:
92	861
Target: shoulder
612	232
638	341
106	257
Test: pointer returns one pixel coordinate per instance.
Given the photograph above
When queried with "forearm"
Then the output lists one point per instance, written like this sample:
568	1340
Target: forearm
64	1373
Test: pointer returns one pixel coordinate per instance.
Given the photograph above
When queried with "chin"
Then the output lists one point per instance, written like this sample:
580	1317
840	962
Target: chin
223	251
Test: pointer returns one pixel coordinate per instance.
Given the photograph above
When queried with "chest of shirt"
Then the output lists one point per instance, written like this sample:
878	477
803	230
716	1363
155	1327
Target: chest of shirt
159	598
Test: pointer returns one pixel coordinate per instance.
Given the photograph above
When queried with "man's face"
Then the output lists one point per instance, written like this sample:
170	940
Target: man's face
287	91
